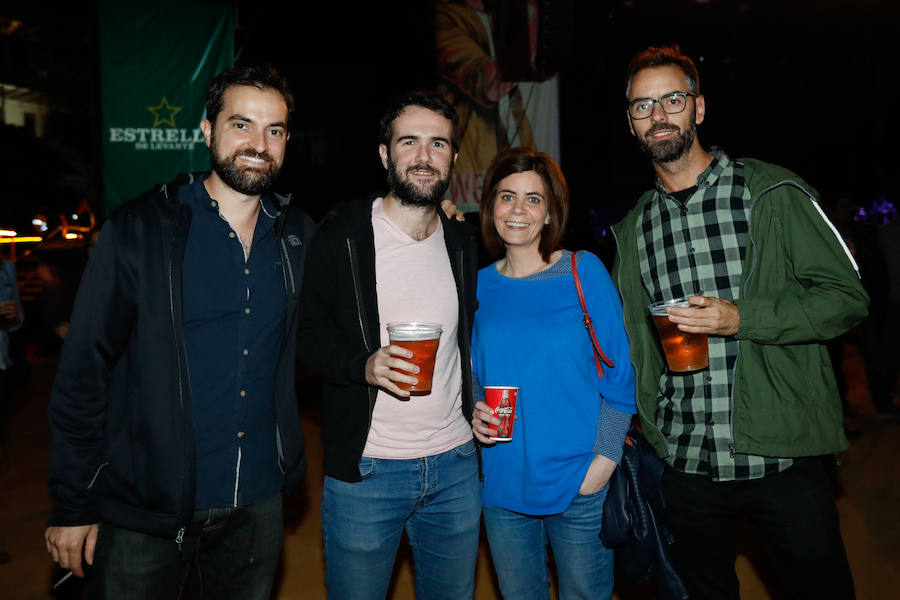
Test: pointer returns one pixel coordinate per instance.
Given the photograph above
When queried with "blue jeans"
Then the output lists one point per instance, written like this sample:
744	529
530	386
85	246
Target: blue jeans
436	499
584	566
230	553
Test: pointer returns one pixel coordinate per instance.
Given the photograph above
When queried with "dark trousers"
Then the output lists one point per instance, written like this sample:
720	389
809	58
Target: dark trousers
230	553
794	515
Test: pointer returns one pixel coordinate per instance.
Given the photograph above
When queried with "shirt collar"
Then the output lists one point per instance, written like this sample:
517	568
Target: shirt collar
198	197
710	176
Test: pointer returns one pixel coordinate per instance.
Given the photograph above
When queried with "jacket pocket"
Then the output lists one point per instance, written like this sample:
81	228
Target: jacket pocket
794	375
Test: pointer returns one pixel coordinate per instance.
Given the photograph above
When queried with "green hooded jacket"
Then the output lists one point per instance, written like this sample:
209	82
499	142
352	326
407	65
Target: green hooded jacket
799	288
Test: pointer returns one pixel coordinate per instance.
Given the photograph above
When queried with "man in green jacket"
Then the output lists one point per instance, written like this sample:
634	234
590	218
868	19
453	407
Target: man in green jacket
748	242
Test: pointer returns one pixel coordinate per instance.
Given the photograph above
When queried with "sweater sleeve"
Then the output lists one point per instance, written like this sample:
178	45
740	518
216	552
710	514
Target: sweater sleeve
611	429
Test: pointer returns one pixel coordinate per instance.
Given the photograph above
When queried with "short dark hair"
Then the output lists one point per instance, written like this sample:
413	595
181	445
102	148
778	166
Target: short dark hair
262	77
661	56
556	192
424	99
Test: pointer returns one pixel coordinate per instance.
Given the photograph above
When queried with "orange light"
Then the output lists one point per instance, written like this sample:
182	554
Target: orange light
74	236
24	238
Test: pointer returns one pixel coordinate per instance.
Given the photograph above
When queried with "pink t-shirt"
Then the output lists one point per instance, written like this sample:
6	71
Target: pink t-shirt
414	282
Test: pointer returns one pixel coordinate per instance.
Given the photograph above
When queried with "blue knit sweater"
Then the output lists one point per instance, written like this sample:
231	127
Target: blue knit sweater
529	333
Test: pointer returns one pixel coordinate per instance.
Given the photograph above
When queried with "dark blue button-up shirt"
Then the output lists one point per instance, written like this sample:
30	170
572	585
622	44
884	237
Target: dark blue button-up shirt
234	312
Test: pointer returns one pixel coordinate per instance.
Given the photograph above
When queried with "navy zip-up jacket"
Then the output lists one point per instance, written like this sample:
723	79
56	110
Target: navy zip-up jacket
122	448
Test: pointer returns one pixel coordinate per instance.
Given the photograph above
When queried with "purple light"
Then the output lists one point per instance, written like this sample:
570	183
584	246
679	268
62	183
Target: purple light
880	211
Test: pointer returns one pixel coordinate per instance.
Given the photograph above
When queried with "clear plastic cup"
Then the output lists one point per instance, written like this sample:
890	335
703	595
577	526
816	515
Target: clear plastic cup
685	352
422	339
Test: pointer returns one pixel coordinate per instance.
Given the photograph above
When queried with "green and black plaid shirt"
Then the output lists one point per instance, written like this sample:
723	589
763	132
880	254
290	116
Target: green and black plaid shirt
698	248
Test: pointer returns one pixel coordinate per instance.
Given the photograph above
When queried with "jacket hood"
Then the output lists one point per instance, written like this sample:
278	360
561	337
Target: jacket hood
764	176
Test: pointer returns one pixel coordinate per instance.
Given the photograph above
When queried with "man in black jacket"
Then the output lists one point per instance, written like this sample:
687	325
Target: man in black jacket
174	417
395	461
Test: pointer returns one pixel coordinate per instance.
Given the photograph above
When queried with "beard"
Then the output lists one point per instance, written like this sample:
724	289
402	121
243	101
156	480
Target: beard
670	150
408	193
244	180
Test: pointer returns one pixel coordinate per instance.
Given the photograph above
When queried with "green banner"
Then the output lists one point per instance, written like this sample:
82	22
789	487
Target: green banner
155	63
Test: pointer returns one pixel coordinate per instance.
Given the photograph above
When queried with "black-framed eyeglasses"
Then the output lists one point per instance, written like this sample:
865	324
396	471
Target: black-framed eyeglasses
672	104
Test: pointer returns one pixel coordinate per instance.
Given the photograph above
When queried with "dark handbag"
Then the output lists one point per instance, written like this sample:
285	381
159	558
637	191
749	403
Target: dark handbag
633	511
633	519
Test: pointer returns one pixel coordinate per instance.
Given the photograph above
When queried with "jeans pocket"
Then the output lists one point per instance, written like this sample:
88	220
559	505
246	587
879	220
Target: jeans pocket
594	494
465	450
366	466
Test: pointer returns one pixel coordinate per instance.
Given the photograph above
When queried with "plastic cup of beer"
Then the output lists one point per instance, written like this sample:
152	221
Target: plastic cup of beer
422	339
685	352
502	400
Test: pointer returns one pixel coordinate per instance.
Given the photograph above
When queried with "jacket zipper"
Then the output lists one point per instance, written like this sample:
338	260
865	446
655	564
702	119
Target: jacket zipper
464	331
180	537
462	298
357	285
637	402
354	271
737	359
287	272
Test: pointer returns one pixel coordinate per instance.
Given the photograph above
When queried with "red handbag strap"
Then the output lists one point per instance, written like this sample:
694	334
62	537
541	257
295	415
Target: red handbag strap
589	325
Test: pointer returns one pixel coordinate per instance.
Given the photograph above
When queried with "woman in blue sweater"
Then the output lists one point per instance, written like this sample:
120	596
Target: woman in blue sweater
549	482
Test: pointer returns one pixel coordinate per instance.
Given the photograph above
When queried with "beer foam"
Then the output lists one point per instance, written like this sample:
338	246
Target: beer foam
414	331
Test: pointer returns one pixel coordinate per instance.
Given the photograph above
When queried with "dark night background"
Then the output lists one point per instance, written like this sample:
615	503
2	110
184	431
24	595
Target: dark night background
804	84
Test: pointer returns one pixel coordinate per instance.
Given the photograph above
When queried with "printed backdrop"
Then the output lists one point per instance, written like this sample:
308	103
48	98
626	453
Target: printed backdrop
486	67
155	63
